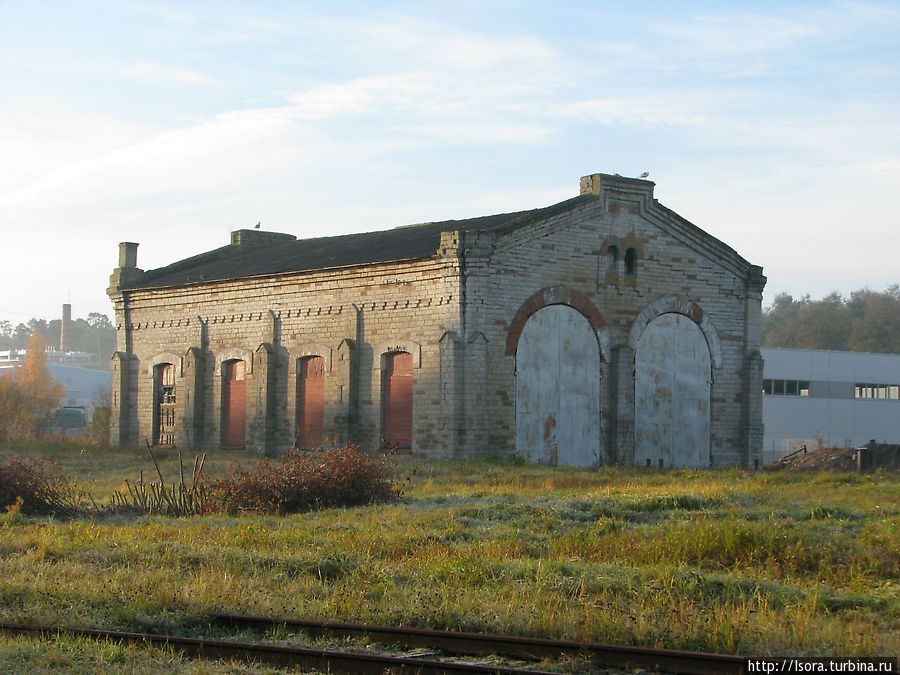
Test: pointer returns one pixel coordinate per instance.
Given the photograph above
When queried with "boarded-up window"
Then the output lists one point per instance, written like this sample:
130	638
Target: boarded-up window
310	402
397	399
558	389
671	392
164	404
234	404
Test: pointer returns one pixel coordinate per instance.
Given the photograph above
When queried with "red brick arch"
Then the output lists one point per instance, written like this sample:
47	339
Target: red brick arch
553	295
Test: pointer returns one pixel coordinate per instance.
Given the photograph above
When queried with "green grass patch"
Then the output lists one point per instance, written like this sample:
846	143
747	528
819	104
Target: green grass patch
725	561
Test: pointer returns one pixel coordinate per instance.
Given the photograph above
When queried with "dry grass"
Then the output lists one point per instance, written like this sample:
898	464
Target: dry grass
725	561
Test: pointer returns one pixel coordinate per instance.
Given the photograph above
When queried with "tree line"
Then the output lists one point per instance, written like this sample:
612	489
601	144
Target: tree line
866	321
94	335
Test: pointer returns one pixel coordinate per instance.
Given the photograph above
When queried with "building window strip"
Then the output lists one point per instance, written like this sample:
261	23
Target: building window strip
883	392
772	387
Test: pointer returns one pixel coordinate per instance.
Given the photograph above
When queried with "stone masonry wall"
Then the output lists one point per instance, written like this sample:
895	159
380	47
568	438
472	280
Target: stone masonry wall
672	274
350	317
459	315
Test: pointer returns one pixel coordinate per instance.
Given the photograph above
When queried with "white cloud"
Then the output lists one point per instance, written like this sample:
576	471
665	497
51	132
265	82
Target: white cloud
211	154
362	96
158	73
40	136
738	32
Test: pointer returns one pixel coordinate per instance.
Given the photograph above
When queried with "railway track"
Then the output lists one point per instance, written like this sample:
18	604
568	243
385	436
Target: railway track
444	642
481	644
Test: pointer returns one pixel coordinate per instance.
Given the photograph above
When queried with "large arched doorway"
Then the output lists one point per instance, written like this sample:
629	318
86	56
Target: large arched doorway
164	404
397	399
558	388
234	404
672	391
310	422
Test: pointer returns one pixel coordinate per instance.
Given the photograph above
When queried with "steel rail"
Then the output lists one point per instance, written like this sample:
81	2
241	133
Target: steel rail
329	660
666	660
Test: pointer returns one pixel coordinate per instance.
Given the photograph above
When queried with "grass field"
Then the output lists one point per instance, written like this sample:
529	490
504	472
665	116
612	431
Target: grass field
763	563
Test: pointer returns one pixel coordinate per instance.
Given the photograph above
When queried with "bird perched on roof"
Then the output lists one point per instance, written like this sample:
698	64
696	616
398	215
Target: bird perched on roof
644	175
256	227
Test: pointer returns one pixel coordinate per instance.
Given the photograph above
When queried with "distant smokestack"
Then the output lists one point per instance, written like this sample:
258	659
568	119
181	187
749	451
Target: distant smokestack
65	328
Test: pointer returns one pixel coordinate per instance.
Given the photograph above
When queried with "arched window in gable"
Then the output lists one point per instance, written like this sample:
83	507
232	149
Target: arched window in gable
612	259
631	261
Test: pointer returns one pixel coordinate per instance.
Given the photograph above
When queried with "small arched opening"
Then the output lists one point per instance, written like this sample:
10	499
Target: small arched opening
631	262
310	416
397	400
612	259
234	404
164	404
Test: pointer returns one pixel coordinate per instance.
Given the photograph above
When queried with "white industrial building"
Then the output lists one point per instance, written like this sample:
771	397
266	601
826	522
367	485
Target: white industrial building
843	398
85	386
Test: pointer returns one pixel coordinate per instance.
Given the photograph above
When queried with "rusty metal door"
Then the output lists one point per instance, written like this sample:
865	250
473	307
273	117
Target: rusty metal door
558	389
164	404
311	402
671	390
234	404
397	400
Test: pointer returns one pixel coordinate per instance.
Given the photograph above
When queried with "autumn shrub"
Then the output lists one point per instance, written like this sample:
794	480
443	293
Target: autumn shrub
39	487
28	396
303	481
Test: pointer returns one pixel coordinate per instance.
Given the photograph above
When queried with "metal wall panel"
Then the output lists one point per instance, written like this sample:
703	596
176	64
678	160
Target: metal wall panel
558	389
672	385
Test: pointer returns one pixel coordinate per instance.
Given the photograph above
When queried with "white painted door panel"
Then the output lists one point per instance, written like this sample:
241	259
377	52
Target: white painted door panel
671	388
558	389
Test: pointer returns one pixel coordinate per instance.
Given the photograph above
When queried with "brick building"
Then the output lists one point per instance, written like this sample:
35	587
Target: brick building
602	329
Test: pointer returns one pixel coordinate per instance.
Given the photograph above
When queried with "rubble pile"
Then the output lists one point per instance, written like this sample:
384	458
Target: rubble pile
884	456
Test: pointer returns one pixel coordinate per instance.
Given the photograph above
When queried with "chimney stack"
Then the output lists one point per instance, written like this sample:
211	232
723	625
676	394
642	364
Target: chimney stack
127	255
127	272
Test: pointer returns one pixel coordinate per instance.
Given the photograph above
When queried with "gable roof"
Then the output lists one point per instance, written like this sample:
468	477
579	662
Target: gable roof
285	255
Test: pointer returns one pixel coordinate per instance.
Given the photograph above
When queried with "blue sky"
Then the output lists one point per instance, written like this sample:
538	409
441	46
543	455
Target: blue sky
773	126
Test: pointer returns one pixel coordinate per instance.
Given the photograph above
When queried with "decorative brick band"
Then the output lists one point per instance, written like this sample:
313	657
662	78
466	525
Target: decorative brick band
679	305
553	295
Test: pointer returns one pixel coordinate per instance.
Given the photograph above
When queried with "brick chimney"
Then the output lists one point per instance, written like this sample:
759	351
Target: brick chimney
127	255
127	272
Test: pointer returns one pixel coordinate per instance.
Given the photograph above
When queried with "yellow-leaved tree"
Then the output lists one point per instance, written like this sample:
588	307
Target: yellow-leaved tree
29	396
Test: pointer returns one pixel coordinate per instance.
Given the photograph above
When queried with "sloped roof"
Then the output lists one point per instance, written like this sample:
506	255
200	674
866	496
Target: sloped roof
412	242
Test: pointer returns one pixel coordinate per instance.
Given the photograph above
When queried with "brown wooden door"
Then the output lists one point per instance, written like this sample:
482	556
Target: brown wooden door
311	402
234	404
164	408
397	400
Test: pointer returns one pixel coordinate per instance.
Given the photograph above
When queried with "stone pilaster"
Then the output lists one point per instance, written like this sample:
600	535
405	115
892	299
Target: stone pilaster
123	413
621	398
752	431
